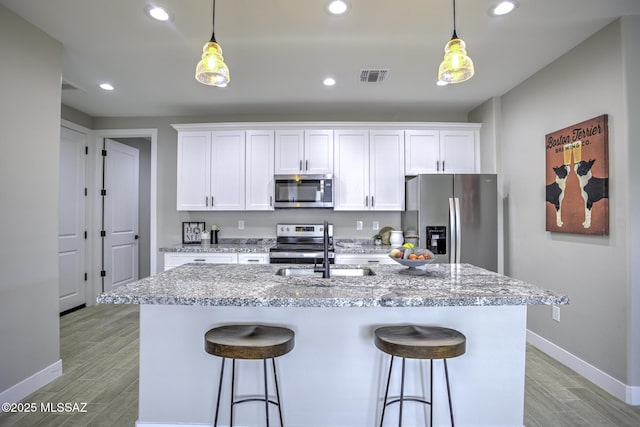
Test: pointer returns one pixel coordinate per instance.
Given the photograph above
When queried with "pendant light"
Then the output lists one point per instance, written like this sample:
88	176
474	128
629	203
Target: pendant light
211	69
456	66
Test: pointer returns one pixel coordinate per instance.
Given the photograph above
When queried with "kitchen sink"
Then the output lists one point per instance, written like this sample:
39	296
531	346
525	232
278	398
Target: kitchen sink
336	272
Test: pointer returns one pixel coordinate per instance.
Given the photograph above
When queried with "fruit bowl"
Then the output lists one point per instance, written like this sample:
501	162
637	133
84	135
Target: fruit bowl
406	259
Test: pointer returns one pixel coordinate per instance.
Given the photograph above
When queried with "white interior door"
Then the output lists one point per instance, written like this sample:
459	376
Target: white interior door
71	219
120	250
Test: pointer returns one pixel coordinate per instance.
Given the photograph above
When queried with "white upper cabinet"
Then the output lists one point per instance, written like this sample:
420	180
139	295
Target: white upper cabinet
441	151
369	171
259	168
304	151
211	170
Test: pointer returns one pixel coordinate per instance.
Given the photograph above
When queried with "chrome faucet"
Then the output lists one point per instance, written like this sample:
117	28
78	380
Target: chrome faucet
325	269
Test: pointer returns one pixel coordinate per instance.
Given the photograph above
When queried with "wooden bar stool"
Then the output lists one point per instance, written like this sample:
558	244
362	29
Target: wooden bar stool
419	342
249	342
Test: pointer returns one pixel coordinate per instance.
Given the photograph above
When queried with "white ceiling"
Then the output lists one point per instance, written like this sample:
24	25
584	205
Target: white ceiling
279	51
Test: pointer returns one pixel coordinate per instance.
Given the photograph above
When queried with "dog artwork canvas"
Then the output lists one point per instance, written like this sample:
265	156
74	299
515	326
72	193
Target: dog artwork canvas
577	178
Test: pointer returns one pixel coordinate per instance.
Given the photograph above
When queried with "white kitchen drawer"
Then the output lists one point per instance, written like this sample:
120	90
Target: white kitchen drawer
363	259
173	260
253	258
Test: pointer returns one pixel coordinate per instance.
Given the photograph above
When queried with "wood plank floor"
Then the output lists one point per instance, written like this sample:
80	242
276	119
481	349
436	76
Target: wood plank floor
99	350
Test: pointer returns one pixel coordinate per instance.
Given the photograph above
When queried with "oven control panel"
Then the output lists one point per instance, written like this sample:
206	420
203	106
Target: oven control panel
302	230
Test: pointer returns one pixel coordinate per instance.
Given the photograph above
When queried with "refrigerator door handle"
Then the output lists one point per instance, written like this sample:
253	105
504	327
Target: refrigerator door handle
458	230
452	231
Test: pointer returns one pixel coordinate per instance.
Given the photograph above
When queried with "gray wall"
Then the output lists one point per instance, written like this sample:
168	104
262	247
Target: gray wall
29	161
594	271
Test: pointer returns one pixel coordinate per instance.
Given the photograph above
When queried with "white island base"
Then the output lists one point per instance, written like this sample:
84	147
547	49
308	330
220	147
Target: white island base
335	376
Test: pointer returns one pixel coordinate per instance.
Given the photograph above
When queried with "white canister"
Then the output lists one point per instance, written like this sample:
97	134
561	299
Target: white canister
396	238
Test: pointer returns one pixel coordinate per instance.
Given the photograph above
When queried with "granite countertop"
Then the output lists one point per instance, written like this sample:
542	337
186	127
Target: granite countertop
258	286
346	246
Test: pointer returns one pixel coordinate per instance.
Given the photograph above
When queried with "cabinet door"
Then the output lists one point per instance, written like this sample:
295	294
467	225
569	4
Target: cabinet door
422	151
386	166
351	167
458	151
227	170
318	151
194	171
289	151
259	167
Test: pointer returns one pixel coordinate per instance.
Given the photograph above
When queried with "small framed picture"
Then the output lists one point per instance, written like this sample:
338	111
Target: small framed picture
191	232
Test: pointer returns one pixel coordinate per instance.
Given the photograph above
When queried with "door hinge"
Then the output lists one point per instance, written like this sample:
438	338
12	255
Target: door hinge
103	273
103	233
104	153
103	192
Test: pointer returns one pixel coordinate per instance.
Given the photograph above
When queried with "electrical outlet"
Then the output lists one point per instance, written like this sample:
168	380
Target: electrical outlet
555	313
376	225
241	224
358	225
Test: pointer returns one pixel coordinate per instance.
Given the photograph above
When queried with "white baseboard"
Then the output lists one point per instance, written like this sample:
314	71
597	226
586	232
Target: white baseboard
27	386
626	393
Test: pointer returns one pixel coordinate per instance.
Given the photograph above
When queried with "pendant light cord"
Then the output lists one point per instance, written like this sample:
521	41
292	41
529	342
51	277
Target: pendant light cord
454	36
213	22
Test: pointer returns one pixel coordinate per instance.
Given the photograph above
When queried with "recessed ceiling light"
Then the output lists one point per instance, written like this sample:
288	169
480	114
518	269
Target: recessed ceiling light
106	86
503	8
329	81
338	7
157	13
441	83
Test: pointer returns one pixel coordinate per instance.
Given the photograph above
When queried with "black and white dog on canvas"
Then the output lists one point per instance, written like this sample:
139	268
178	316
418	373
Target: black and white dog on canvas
555	190
593	188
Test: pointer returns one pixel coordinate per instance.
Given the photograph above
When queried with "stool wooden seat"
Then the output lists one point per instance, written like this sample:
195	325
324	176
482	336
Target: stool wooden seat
249	342
419	342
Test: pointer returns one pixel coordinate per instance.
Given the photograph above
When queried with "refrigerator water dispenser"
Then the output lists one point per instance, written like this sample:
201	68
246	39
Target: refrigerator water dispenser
437	239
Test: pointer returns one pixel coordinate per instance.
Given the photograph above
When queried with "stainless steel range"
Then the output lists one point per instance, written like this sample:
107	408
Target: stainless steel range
301	244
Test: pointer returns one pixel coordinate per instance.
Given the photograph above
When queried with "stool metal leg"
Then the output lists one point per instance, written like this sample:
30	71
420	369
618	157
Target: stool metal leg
215	421
266	390
446	376
386	393
401	394
275	380
233	382
431	392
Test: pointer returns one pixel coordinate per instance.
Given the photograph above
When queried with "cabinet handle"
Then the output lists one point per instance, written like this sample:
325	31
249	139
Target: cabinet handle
300	165
443	166
211	201
253	260
373	202
366	201
206	201
199	260
270	200
373	261
306	165
437	165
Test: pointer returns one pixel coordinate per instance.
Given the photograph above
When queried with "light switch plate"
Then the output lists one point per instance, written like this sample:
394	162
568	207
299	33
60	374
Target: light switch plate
358	225
555	313
376	225
241	224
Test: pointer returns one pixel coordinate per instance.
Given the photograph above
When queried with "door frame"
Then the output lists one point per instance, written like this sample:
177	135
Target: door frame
96	216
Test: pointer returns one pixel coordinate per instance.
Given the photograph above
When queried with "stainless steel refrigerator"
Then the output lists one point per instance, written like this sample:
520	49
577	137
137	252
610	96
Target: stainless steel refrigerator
455	216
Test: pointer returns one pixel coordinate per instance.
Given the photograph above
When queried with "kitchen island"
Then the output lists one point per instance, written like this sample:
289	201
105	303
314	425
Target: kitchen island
335	375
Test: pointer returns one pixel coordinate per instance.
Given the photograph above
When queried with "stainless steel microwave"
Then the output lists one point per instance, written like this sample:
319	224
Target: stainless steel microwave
303	191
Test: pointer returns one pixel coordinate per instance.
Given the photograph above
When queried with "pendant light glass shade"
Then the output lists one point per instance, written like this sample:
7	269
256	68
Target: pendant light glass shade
211	69
456	66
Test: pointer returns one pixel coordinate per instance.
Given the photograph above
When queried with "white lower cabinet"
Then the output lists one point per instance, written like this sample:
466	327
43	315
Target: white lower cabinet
363	259
253	258
172	260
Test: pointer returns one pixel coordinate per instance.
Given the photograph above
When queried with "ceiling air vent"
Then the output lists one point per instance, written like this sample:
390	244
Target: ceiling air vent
373	76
